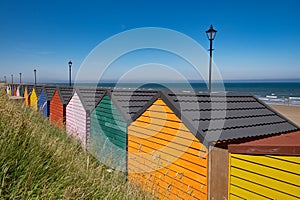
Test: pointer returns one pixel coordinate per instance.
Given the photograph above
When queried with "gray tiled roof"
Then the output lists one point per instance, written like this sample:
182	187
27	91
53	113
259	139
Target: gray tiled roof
49	91
65	93
131	104
222	117
29	88
90	96
38	90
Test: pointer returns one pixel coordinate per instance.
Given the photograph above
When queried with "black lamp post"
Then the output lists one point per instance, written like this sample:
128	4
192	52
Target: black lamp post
70	66
12	79
34	77
20	78
211	34
5	79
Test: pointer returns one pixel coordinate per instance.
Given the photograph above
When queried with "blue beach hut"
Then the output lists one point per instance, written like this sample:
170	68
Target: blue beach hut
44	100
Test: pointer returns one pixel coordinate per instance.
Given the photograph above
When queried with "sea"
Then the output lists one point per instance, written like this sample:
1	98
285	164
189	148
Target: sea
281	93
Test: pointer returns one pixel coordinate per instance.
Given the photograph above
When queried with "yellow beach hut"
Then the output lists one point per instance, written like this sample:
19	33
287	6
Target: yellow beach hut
266	169
35	93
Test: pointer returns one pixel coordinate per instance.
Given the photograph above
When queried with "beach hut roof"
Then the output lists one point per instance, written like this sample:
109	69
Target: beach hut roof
285	144
65	93
38	89
49	91
223	117
132	103
90	96
29	88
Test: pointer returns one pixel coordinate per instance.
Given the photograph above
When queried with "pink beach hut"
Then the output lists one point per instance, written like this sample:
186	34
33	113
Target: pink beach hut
78	112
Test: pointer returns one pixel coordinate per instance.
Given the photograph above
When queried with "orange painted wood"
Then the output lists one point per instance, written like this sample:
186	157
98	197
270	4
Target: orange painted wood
57	110
27	97
165	157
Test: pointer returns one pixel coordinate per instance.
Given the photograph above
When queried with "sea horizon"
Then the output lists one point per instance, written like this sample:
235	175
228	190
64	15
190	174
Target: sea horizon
273	92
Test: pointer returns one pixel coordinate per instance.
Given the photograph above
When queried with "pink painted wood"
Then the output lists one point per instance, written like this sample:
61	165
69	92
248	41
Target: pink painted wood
76	119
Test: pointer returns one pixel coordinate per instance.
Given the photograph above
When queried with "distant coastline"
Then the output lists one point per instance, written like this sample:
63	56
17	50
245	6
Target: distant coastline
271	92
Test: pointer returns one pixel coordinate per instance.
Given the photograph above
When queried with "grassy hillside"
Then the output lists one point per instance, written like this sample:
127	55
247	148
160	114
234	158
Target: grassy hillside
39	161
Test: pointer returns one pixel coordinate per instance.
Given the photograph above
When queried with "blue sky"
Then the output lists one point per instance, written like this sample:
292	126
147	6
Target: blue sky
255	39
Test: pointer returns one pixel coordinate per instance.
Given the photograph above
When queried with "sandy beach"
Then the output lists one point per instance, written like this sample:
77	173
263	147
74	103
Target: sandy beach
290	112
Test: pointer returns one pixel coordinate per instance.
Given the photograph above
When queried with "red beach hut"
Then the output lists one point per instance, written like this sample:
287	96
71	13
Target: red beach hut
58	105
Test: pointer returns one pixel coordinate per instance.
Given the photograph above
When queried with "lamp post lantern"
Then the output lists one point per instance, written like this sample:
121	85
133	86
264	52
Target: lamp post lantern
211	34
34	77
20	77
12	79
70	66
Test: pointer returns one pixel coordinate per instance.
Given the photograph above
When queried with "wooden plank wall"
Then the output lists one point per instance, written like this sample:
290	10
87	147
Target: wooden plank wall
76	119
108	135
12	90
33	100
27	97
8	90
15	91
56	110
18	91
218	181
164	156
21	90
43	104
264	177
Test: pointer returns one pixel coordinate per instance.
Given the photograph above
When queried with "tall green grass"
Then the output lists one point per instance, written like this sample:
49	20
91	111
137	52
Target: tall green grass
39	161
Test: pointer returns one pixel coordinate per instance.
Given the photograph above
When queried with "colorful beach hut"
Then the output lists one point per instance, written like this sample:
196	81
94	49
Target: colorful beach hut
18	91
15	89
266	169
170	145
8	90
58	105
27	92
109	122
45	98
21	90
35	93
78	112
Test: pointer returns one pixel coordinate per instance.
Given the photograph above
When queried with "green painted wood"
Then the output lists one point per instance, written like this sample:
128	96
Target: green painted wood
108	135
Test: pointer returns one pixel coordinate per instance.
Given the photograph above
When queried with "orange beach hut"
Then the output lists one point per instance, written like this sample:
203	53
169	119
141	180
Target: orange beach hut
170	145
27	92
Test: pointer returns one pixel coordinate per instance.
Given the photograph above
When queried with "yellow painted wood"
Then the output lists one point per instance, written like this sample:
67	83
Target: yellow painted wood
286	176
33	100
233	197
9	92
229	181
171	161
263	191
271	162
265	181
295	159
276	177
235	189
